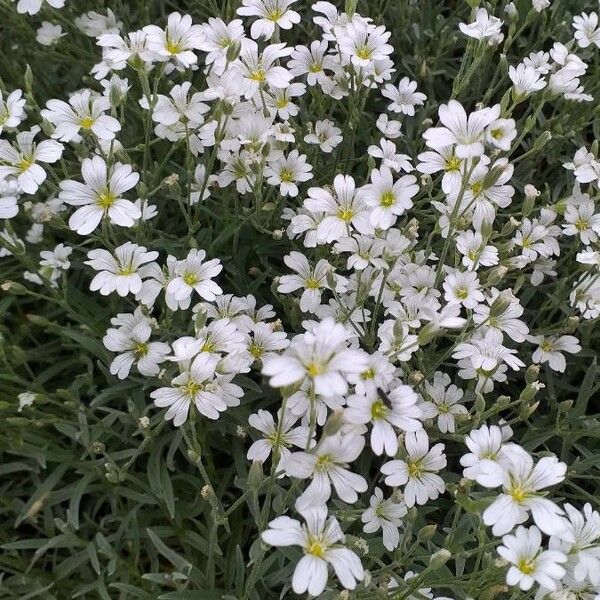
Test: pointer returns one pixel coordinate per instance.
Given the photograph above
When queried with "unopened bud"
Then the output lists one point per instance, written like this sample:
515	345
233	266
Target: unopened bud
426	533
206	492
255	475
531	374
334	423
439	558
233	51
144	422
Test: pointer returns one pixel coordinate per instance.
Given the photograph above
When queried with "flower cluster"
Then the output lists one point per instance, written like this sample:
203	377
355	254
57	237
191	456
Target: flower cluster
411	291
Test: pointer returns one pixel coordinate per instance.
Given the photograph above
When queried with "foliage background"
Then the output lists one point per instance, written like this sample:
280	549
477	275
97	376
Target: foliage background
94	506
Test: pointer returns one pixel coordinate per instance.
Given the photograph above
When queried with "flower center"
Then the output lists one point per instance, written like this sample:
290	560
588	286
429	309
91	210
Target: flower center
259	75
518	493
315	67
86	122
415	469
496	133
313	369
526	566
477	187
346	214
126	270
140	349
190	278
546	346
453	164
368	374
191	388
106	199
286	175
316	548
378	410
312	284
323	462
581	225
274	15
208	346
387	199
462	293
364	52
173	47
25	163
443	408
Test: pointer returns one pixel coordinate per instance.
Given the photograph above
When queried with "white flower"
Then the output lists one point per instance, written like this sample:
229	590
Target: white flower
486	461
312	62
390	129
25	399
312	280
586	29
318	538
581	543
363	43
529	563
21	161
386	151
83	112
443	159
464	288
343	210
550	349
475	253
522	485
277	438
418	473
398	410
262	341
581	219
177	41
387	198
201	386
487	352
526	80
384	514
261	68
133	347
444	402
322	356
287	171
180	107
49	33
484	27
12	110
272	13
119	272
100	195
404	96
500	133
94	24
327	465
33	7
279	100
326	135
192	274
467	132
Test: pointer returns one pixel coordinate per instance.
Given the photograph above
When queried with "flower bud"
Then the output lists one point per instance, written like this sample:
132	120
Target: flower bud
439	558
233	51
426	533
531	374
334	423
255	475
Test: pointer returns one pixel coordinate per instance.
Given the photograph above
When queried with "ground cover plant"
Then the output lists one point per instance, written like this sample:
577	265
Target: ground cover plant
299	299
